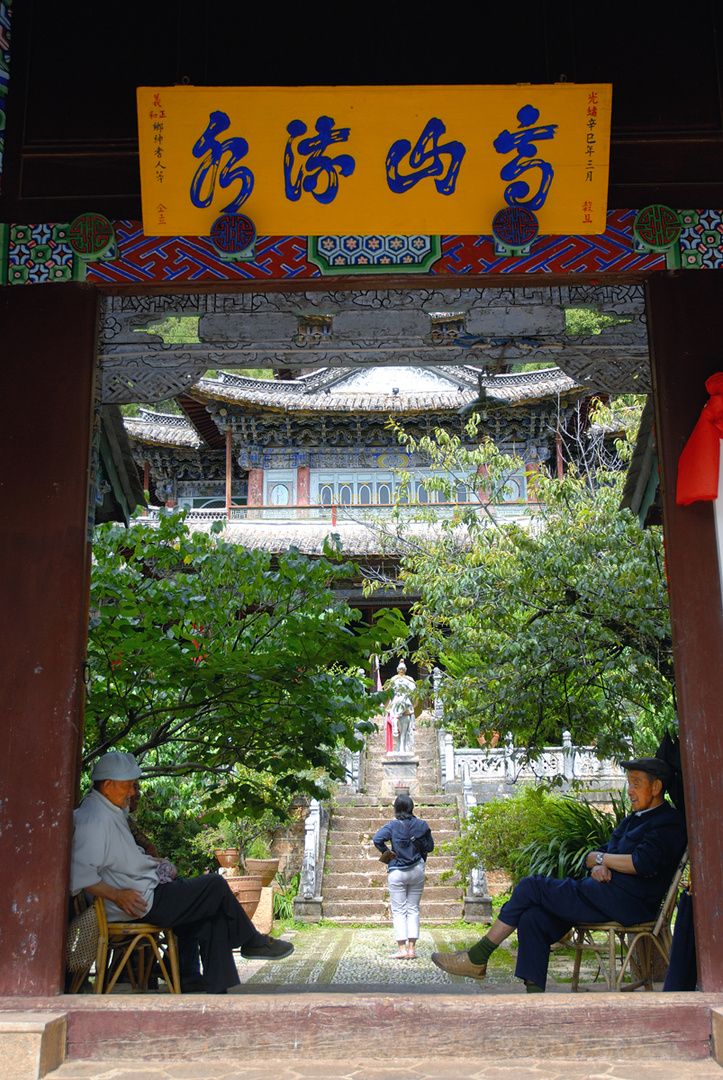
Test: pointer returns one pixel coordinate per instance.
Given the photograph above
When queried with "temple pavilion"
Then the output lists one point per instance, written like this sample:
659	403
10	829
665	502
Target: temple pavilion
284	459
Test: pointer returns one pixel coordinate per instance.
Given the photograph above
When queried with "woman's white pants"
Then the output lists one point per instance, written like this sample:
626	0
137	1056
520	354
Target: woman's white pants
405	892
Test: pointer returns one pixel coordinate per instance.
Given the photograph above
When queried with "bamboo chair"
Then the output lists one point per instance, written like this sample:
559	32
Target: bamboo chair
131	945
128	940
635	942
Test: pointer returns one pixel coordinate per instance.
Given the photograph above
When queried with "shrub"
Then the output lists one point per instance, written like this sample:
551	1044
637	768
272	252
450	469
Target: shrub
533	832
571	829
494	834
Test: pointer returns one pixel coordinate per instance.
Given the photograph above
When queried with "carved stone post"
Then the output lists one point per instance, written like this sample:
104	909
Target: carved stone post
478	902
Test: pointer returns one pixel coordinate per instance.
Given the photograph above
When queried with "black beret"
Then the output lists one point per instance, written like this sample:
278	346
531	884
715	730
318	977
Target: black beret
654	766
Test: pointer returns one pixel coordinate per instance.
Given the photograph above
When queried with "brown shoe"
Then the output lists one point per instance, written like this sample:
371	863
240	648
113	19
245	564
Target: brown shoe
459	963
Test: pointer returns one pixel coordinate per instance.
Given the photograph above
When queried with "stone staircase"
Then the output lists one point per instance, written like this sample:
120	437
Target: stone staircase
355	882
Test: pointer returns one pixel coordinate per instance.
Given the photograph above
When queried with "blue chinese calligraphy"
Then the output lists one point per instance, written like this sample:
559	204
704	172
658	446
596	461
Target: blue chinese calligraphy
426	160
211	152
524	143
319	174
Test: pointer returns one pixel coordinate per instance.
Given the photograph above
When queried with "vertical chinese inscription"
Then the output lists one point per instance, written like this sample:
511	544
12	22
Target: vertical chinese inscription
590	144
157	116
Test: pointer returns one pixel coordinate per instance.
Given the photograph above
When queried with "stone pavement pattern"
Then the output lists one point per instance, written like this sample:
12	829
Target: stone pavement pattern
336	956
330	957
440	1068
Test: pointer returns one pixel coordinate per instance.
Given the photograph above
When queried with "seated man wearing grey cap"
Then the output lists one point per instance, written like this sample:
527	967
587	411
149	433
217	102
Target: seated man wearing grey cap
628	878
107	862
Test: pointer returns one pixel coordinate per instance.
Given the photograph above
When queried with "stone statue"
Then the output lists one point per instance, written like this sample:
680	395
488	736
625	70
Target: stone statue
401	709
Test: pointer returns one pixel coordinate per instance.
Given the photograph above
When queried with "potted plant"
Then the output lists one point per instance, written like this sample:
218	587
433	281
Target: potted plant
240	845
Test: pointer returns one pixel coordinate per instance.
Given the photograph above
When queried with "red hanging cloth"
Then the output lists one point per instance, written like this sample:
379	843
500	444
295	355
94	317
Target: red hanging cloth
698	465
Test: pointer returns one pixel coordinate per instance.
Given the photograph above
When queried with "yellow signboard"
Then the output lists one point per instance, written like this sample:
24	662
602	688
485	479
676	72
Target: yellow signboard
308	161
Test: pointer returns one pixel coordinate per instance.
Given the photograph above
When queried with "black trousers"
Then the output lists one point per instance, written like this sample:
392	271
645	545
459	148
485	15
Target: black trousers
204	910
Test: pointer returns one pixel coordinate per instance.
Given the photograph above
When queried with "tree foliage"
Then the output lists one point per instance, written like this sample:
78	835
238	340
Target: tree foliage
211	660
559	625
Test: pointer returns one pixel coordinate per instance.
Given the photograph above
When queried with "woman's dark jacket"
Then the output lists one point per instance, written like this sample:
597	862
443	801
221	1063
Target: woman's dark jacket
396	834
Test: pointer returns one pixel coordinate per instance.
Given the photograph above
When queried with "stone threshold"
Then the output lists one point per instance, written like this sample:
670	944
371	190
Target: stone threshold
636	1027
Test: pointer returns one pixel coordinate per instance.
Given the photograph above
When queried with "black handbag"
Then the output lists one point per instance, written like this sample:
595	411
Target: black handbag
416	841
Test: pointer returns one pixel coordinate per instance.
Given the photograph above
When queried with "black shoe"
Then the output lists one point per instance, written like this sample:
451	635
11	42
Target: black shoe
194	985
269	949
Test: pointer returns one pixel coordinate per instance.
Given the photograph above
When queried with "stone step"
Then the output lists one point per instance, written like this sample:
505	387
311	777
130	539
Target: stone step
386	920
436	866
357	817
363	879
656	1036
365	910
375	800
386	813
442	893
426	761
351	865
362	835
440	817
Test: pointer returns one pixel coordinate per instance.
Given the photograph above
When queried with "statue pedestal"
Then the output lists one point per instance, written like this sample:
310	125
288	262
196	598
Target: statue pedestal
400	769
478	909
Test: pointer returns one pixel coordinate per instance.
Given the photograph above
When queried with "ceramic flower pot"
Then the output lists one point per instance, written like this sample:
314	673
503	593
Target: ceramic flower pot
247	890
227	856
265	867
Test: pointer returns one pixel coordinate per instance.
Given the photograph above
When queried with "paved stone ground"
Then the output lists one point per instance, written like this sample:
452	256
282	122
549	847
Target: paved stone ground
332	957
340	956
390	1069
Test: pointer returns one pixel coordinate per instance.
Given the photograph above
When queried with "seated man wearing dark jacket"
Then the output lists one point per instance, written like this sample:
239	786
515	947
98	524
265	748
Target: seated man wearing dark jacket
628	878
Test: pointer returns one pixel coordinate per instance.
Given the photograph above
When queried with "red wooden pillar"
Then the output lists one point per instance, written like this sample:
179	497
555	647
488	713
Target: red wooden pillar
685	318
48	348
303	485
229	473
256	487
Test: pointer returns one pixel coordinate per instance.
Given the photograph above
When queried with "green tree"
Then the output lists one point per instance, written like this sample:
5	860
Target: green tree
211	660
560	625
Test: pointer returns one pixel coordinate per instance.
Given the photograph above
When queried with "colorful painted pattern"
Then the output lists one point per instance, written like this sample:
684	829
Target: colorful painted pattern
5	13
37	253
552	254
360	254
701	241
194	258
146	258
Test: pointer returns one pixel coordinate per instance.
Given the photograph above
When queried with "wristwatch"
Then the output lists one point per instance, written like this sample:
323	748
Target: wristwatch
599	858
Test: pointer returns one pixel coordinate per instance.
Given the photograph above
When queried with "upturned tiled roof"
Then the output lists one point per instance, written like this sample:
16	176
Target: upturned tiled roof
323	392
314	393
162	429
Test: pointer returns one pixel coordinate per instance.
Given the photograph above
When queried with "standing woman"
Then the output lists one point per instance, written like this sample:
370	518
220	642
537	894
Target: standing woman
411	841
